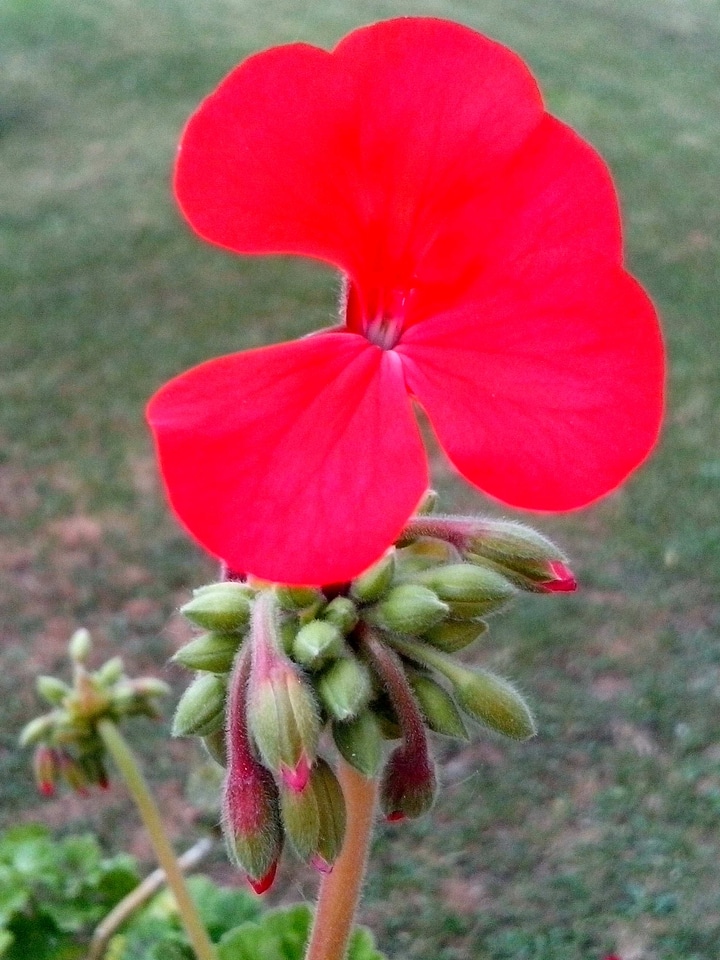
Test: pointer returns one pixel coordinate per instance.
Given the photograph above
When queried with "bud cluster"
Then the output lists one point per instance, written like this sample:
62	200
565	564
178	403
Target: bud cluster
369	662
67	744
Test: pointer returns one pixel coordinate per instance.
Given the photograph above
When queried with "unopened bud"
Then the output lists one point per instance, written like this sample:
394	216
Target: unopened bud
72	773
216	746
424	554
52	690
341	612
251	823
469	591
151	687
410	608
110	672
80	645
375	582
45	768
437	707
529	559
201	710
317	643
360	743
332	814
454	635
299	598
345	688
300	818
492	701
221	606
39	729
408	784
283	720
93	768
211	652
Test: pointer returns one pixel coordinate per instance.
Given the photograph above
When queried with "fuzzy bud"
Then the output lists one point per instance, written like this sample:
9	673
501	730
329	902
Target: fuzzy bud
360	743
492	701
375	582
284	722
469	591
408	784
437	707
220	606
251	823
454	635
317	643
341	612
210	652
38	730
110	672
201	710
52	690
46	769
345	688
80	645
410	608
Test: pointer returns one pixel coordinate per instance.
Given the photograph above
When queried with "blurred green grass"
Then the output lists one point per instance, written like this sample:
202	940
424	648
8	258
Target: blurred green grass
603	834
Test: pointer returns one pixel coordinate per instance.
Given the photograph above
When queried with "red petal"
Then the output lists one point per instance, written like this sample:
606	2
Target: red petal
297	463
556	193
352	156
546	393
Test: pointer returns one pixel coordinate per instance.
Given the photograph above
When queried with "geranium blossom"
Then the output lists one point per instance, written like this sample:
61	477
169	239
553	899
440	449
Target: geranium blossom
481	245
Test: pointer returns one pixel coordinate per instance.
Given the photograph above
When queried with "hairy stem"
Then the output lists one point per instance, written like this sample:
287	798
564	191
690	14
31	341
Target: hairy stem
150	815
340	890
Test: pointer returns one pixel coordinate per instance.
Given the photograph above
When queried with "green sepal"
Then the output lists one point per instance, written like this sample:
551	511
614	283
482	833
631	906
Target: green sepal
201	710
211	652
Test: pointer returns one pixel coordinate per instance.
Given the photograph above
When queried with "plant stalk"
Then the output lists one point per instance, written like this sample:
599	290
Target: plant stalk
150	815
340	890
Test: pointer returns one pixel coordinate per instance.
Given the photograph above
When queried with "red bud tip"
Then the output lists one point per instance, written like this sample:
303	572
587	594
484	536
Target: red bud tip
395	817
297	779
47	789
321	865
264	883
562	581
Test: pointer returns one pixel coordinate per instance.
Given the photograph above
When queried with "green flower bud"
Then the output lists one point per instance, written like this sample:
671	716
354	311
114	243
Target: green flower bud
375	582
151	687
221	606
52	690
211	652
492	701
80	645
410	608
332	814
345	688
424	554
216	746
284	722
201	710
469	591
316	643
110	672
454	635
299	598
360	743
300	818
437	707
38	730
341	612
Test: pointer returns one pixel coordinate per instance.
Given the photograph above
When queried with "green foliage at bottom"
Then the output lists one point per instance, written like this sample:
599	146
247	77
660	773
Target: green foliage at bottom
54	892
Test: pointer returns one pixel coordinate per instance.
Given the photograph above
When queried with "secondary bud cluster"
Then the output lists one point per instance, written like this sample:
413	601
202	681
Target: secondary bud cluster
370	662
67	744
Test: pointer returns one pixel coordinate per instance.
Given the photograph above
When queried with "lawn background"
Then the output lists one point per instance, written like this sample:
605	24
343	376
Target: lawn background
601	835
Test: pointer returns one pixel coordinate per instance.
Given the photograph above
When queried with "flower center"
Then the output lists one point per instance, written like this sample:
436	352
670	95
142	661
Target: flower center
384	332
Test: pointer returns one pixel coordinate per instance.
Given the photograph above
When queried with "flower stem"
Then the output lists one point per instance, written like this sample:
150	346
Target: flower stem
150	815
340	890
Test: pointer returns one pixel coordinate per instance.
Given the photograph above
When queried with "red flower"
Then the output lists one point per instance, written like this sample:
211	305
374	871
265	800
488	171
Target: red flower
481	243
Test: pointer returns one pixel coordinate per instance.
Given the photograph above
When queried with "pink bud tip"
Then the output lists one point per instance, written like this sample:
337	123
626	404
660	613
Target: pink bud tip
321	865
395	817
264	883
563	581
297	779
